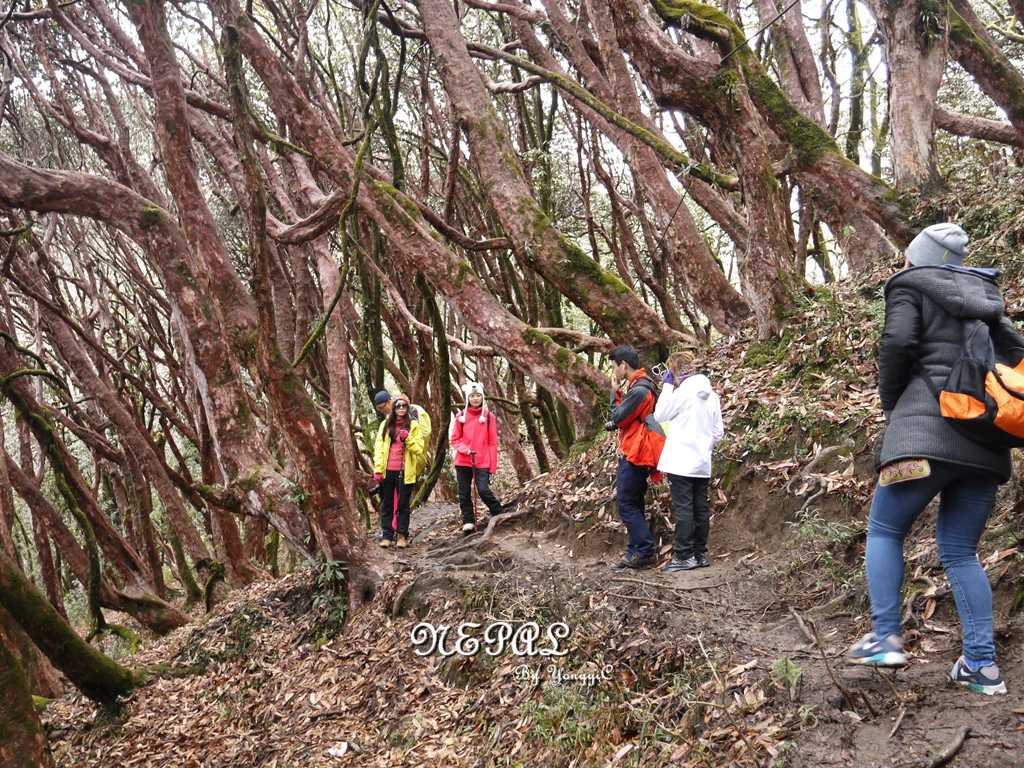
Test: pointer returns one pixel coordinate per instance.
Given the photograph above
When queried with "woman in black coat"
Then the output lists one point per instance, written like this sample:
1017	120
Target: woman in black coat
922	456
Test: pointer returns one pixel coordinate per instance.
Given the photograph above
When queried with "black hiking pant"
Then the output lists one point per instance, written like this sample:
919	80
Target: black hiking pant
693	514
394	493
483	486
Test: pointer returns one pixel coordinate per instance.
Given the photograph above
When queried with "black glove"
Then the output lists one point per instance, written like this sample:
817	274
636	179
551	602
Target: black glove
610	426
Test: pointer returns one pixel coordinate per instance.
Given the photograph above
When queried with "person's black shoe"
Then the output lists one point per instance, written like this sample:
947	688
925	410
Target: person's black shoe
681	565
636	562
702	561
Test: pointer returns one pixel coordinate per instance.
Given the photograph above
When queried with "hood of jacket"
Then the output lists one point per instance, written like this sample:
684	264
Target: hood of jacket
699	384
964	292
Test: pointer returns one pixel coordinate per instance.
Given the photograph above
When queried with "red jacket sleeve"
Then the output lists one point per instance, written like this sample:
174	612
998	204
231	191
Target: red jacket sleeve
492	440
457	439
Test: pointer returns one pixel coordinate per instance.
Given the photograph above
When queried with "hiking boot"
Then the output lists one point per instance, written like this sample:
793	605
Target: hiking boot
385	543
680	564
702	561
468	528
637	562
403	542
985	680
869	650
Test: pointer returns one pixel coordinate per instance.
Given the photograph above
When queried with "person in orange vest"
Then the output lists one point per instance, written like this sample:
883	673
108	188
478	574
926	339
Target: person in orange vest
640	443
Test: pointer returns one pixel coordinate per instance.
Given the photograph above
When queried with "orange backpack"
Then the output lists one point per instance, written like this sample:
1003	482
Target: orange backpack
983	398
643	442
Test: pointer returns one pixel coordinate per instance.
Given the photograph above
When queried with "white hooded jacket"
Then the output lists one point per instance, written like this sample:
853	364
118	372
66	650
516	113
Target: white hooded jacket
694	415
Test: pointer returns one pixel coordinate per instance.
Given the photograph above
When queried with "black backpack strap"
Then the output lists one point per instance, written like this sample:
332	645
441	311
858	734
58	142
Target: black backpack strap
975	343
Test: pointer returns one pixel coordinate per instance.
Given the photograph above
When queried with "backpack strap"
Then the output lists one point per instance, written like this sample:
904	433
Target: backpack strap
975	343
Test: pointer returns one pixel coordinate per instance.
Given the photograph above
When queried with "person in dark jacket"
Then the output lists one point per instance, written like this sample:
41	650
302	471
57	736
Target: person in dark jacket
638	453
922	456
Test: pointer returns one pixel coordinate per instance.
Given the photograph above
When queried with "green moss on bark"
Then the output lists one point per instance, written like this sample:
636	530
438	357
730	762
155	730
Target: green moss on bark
150	216
809	140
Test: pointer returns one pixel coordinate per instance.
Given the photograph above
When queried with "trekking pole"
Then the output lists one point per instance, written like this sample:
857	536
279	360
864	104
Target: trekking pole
472	457
394	505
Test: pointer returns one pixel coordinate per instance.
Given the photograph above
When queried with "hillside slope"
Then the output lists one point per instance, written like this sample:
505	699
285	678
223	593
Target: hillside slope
736	664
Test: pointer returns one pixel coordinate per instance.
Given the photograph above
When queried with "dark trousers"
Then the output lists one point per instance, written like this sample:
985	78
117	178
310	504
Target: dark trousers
693	515
483	486
393	488
630	489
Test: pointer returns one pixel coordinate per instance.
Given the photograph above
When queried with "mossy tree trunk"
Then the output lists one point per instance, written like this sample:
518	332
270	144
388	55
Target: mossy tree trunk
914	41
22	739
41	676
443	407
974	48
699	85
605	71
331	505
146	608
411	249
95	675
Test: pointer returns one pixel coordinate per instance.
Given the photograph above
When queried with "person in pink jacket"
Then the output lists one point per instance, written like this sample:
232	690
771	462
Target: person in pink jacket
474	438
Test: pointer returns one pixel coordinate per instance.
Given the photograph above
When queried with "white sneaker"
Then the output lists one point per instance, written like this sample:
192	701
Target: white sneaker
468	527
869	650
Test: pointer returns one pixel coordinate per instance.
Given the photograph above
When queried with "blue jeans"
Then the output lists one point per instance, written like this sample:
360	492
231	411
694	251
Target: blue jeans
966	496
630	489
693	514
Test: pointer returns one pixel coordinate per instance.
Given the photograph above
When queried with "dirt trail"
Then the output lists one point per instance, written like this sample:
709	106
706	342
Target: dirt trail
854	715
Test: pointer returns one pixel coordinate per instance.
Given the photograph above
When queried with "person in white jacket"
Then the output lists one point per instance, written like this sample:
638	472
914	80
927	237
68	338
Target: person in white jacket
694	415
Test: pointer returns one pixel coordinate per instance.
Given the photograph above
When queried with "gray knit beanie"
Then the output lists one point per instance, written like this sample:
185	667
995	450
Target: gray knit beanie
937	245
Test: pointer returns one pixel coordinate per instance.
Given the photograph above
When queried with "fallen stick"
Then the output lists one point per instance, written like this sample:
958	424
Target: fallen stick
889	683
800	623
951	749
899	719
847	696
867	702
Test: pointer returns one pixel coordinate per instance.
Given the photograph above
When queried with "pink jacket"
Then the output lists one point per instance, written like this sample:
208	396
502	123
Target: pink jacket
470	434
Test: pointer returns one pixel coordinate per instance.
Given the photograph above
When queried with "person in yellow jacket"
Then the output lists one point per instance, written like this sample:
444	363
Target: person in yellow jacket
398	460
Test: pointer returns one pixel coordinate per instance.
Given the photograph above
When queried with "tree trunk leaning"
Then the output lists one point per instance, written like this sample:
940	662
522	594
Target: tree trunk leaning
95	675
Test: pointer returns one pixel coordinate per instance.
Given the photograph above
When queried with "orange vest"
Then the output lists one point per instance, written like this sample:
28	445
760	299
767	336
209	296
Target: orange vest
637	443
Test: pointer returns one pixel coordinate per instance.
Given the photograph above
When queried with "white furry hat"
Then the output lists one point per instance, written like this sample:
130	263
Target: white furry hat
469	388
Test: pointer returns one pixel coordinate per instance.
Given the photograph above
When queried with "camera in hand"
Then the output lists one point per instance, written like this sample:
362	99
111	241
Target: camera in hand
375	490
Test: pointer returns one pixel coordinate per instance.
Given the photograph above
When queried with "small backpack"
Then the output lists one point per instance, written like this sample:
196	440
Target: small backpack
424	419
983	398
